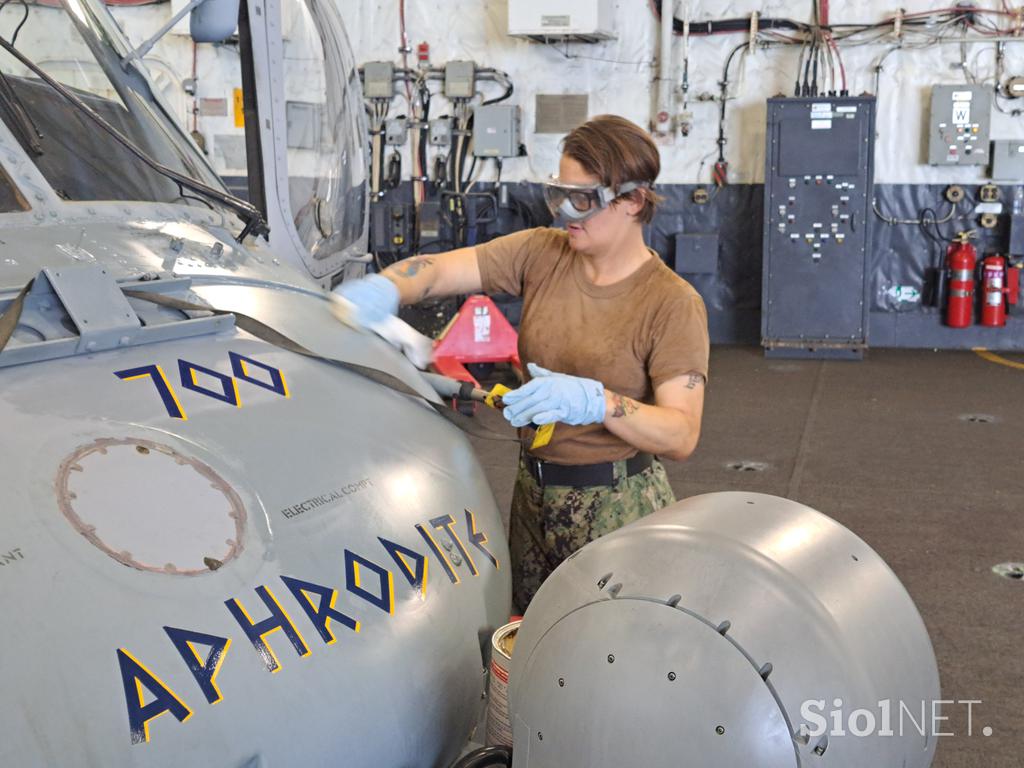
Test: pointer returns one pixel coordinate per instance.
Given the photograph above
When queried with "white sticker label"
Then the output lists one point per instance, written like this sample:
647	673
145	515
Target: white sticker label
821	107
481	325
821	125
904	294
556	21
988	208
846	109
961	112
962	95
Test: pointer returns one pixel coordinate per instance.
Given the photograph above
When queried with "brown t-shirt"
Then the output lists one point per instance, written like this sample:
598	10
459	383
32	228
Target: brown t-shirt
632	336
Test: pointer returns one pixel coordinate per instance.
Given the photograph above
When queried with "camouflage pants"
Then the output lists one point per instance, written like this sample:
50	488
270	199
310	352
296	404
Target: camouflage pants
551	522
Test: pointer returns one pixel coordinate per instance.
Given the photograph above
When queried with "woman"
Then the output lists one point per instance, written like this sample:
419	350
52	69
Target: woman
615	343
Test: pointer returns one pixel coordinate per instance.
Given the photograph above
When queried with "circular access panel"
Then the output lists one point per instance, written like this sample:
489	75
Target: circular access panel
632	682
150	507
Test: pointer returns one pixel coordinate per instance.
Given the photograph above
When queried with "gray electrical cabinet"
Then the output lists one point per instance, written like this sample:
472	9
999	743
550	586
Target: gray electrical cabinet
958	125
1008	160
817	197
496	131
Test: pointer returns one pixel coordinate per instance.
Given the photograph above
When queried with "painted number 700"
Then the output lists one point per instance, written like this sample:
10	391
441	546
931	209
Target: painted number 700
228	393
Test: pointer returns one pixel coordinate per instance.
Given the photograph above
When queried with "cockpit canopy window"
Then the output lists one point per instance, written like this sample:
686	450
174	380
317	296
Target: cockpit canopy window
82	162
77	158
326	161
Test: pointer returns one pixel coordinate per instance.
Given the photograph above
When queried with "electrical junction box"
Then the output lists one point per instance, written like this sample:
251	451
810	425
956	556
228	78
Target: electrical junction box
378	80
1008	160
395	131
585	21
958	125
459	79
496	130
440	131
428	222
817	220
390	227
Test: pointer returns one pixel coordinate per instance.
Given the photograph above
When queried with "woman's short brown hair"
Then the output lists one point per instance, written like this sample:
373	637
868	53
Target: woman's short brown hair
616	151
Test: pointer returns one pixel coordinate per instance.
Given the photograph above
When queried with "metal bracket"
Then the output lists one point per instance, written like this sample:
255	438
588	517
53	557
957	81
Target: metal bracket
101	317
94	303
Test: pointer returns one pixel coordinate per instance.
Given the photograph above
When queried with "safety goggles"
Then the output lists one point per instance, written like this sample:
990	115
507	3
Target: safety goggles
578	202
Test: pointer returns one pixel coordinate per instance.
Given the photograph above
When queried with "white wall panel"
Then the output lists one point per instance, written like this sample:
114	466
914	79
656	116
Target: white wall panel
621	80
618	76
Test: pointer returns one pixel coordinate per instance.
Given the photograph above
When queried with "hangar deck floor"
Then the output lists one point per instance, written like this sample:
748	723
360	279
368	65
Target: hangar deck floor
887	447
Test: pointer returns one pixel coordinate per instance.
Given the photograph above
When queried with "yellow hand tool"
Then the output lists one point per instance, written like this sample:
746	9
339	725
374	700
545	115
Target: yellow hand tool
544	431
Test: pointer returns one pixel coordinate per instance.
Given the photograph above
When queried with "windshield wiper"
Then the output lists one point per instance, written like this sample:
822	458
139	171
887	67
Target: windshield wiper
255	223
25	129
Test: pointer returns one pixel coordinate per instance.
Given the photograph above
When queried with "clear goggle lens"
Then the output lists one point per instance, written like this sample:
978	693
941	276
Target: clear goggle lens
581	202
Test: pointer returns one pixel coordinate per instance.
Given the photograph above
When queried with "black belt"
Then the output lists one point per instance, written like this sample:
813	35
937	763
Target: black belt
582	475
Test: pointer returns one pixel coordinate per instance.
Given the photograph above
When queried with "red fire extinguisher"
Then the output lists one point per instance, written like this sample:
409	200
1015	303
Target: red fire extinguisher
961	260
993	289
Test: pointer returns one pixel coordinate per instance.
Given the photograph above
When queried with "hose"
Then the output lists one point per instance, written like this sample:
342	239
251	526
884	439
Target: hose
447	387
485	757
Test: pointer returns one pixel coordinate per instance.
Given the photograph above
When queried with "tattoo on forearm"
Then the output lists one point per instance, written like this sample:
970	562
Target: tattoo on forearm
411	267
623	406
693	380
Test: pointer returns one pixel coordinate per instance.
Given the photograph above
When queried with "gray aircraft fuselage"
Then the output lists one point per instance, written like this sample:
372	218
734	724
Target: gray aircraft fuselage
214	551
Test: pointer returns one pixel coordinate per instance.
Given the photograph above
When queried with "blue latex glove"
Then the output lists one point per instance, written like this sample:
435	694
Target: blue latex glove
549	397
374	297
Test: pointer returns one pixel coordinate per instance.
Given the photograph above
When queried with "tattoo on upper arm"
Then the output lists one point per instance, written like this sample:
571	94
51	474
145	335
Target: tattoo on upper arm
411	267
624	406
693	380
